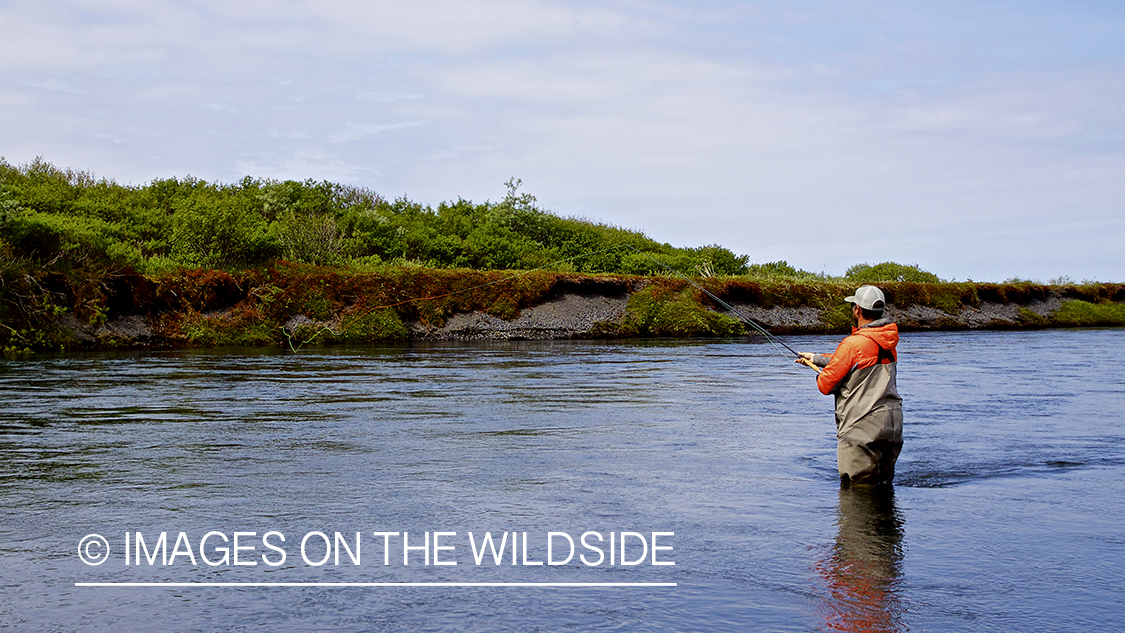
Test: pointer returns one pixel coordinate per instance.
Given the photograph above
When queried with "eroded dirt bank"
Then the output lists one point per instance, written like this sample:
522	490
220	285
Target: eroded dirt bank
293	305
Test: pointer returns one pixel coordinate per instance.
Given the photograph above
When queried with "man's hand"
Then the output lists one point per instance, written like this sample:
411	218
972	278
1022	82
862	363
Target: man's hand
806	359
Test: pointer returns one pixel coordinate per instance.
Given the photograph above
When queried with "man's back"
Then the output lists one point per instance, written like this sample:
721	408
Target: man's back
862	374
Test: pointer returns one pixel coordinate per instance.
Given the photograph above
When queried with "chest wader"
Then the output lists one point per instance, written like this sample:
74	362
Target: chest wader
868	447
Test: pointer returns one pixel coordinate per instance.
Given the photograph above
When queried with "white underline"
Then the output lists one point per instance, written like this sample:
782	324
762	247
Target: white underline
375	584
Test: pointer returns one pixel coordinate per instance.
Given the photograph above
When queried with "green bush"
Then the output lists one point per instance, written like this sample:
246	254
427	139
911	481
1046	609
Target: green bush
781	270
1084	313
74	240
889	271
657	311
70	218
312	239
214	231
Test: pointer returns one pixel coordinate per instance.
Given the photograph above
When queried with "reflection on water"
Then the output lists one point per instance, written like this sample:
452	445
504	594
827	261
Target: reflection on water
860	572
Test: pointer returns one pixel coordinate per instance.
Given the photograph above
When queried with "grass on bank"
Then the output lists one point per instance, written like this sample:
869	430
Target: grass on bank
232	263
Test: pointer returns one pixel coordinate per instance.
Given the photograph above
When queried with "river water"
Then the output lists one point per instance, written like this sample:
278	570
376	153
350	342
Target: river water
1006	515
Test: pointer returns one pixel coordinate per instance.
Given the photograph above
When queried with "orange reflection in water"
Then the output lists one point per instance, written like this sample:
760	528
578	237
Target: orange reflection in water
860	571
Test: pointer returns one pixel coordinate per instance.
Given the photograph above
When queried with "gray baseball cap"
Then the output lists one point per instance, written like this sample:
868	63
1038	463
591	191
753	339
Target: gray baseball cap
868	298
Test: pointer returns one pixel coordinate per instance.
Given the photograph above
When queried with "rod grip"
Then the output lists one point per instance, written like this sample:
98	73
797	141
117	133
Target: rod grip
809	363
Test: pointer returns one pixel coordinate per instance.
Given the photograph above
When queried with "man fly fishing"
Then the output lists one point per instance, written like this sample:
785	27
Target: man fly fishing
861	373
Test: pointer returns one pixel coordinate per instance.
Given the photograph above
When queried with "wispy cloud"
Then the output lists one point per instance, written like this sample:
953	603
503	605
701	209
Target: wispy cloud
385	97
355	131
461	150
52	85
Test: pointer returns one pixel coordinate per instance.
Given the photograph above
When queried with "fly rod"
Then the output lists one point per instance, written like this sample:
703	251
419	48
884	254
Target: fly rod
777	343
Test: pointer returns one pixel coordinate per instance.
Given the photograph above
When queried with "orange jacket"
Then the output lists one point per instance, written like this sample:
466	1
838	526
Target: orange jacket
861	373
858	351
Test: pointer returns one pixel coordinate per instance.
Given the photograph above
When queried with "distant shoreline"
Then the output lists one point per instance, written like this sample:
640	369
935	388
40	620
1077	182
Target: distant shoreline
91	264
294	305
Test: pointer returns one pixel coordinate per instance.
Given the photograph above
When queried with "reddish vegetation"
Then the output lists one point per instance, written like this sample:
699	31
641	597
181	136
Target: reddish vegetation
254	306
190	307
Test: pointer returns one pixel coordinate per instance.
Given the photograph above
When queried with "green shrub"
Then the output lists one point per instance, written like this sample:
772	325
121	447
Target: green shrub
311	239
781	270
216	331
214	231
889	271
659	311
71	240
376	325
192	223
1083	313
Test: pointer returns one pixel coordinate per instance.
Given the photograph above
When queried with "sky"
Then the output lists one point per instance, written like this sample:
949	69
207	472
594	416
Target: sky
979	140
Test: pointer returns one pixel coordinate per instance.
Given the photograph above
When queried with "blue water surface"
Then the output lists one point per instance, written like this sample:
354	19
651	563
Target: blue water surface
1006	513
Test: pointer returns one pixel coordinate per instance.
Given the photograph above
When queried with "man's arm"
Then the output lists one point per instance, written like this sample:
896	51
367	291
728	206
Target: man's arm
839	364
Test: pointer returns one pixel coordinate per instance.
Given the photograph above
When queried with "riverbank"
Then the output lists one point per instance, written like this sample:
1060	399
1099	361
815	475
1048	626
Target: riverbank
295	304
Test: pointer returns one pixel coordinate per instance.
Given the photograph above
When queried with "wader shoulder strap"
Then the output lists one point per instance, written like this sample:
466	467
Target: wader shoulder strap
885	355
